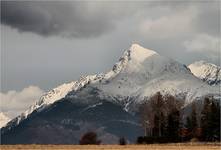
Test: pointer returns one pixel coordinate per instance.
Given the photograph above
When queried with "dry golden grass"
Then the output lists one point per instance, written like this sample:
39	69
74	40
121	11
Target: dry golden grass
177	146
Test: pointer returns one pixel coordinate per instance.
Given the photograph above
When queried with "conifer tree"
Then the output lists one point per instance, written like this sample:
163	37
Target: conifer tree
191	121
173	125
205	119
210	120
215	121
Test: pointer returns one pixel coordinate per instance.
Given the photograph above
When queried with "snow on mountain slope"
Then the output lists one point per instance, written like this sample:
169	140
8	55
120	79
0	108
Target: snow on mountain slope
144	72
207	72
57	94
139	73
3	119
135	73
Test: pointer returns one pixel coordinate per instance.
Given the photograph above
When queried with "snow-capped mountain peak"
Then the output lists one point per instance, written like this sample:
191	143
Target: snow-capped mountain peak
140	53
136	54
142	72
207	72
137	67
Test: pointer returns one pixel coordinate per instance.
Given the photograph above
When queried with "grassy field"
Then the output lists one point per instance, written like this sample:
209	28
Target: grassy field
177	146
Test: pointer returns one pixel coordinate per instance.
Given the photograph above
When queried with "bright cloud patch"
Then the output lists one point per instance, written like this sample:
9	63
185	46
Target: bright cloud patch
3	119
169	26
15	102
203	43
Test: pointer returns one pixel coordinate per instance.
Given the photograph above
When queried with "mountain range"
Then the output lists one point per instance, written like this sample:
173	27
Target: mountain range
108	103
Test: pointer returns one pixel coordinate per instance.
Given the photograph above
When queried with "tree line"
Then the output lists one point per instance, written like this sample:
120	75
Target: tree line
163	120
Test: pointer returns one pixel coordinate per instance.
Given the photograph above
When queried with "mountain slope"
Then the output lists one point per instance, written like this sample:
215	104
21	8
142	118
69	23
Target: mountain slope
72	120
207	72
139	74
55	94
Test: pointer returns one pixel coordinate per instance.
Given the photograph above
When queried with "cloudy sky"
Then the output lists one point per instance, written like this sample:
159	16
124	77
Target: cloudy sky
44	44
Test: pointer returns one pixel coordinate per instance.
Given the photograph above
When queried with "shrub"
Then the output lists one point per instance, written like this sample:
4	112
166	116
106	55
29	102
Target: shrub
140	140
194	140
89	138
122	141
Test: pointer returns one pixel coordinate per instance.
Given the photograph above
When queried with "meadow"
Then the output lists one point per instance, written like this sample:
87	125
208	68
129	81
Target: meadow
177	146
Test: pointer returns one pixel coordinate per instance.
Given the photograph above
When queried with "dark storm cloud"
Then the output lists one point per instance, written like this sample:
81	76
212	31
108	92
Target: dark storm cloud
70	19
25	18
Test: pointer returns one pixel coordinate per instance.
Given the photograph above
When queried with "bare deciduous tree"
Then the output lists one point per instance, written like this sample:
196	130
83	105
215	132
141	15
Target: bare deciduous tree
154	112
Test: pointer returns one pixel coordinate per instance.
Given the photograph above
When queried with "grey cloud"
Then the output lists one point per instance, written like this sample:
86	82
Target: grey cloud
69	19
203	43
208	19
55	18
25	17
205	14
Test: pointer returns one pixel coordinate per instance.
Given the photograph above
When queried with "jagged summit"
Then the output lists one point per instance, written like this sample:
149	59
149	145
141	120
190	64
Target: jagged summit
131	59
207	72
140	53
138	59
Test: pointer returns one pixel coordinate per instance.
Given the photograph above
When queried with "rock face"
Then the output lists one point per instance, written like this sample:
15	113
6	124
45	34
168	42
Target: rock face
207	72
106	103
